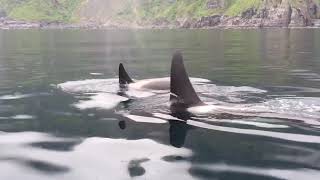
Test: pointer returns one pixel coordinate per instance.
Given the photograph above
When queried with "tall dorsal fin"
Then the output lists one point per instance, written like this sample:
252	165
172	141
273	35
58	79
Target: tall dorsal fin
124	78
181	89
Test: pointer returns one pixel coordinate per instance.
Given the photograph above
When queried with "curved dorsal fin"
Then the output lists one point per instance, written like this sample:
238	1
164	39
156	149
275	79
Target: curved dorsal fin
124	78
181	89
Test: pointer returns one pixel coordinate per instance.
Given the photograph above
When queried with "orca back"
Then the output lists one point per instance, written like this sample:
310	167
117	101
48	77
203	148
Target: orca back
124	78
182	93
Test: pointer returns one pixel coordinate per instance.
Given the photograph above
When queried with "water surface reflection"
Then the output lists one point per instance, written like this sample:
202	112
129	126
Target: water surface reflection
62	115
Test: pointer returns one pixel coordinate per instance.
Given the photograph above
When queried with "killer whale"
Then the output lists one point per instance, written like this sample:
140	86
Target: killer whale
185	102
182	92
148	84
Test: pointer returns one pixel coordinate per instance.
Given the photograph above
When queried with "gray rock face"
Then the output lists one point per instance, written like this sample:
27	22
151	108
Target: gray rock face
282	14
209	21
277	16
297	19
187	23
6	23
14	24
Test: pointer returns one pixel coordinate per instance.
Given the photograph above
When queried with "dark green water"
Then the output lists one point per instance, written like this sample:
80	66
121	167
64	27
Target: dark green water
62	116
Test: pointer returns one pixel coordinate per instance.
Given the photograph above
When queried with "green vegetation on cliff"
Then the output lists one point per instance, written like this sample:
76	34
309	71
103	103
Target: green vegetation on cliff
239	6
41	10
142	11
175	9
147	10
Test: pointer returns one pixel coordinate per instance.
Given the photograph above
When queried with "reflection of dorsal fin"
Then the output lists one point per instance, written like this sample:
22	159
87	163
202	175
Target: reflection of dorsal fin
182	92
123	75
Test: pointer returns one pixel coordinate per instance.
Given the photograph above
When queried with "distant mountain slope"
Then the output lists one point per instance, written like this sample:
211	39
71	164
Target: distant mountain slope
168	13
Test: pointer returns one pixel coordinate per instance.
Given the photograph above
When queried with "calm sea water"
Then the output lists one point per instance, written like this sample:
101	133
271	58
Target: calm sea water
62	115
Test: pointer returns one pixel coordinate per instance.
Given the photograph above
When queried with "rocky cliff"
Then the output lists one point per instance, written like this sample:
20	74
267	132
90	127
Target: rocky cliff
163	13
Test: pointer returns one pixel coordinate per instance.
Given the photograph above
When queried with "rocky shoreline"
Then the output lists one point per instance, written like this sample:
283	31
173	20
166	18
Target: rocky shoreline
7	23
221	14
210	22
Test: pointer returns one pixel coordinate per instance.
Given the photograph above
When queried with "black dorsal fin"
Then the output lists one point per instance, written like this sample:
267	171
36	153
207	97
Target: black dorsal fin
124	78
181	89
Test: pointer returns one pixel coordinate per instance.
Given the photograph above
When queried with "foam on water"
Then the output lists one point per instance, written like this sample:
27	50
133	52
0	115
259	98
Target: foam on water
22	116
306	110
28	137
16	96
224	90
19	116
300	108
229	93
101	101
90	85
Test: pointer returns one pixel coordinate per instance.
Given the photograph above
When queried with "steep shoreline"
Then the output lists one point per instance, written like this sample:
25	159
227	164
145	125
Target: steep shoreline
213	22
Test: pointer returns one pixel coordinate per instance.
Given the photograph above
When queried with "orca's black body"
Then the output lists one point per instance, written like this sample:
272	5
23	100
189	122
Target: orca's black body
182	93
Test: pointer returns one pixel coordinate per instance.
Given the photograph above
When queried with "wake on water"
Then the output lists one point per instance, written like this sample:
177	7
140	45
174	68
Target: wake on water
104	94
